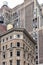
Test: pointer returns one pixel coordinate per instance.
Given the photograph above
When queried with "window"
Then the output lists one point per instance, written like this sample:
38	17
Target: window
36	53
10	37
6	38
3	40
4	55
36	19
6	15
36	47
36	62
11	45
18	62
3	63
11	54
6	46
18	44
3	47
2	22
15	15
31	60
24	62
28	63
23	46
24	54
10	62
28	55
33	19
36	57
18	53
18	36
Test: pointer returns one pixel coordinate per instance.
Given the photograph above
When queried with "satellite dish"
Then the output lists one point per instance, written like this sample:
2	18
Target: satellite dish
5	3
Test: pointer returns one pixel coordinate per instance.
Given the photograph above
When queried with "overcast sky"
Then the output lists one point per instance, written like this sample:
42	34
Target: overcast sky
13	3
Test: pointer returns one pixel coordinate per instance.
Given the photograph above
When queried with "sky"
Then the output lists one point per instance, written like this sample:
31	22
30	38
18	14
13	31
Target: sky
13	3
40	1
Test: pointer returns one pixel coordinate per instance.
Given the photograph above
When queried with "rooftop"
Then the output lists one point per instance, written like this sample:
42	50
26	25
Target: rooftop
19	29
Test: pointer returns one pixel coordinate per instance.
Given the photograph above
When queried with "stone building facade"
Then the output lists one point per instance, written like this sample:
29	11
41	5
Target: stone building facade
17	47
28	15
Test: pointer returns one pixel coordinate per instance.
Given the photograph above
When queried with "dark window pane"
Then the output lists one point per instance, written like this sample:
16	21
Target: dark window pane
3	40
10	62
18	62
36	57
36	47
4	55
18	44
6	46
3	47
3	63
11	45
28	63
18	53
6	38
10	37
18	36
11	54
36	62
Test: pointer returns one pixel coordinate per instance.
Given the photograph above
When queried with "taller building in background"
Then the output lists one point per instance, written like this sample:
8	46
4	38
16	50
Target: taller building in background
19	16
22	16
27	15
